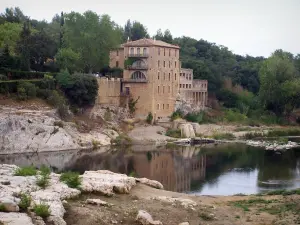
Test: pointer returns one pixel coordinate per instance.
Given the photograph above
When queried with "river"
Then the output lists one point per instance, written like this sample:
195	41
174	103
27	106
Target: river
224	169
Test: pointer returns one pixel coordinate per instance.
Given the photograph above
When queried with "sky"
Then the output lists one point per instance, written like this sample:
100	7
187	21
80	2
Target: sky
253	27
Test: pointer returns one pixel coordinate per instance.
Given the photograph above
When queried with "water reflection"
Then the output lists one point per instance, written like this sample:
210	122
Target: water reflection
212	169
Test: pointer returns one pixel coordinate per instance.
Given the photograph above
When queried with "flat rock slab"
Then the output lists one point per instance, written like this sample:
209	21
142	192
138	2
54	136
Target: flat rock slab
97	202
15	219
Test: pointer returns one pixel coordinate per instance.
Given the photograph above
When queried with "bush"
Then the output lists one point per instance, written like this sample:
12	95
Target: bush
72	179
17	75
26	90
45	171
174	133
177	115
196	117
122	140
42	181
22	96
234	116
223	136
95	144
25	201
149	118
25	171
57	100
2	208
3	77
42	210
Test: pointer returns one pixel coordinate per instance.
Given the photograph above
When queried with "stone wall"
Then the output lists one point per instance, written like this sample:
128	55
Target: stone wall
109	91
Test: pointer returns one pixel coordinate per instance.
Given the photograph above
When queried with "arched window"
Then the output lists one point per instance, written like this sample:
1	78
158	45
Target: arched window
137	75
138	51
145	51
132	51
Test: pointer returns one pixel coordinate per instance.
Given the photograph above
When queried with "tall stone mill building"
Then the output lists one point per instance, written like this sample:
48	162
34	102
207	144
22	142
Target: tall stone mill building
152	74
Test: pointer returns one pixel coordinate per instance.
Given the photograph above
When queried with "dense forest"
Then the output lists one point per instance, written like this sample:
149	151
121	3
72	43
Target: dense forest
81	43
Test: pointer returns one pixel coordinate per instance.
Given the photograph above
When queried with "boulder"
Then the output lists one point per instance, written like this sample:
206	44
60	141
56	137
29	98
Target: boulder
9	205
184	223
151	183
197	128
145	218
56	220
187	130
15	219
106	182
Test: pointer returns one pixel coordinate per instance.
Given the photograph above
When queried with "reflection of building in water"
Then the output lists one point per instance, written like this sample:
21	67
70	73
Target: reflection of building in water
175	169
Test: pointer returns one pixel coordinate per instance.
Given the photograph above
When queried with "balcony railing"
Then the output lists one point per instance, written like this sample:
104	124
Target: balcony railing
135	81
137	67
139	55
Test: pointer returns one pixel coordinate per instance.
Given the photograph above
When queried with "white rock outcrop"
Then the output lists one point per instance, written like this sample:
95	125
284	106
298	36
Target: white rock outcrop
151	183
185	202
15	219
97	202
187	130
145	218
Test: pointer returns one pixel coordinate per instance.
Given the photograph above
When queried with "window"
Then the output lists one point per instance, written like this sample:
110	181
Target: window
175	76
180	85
158	76
164	63
169	89
175	64
168	106
164	76
158	89
186	85
158	51
158	63
138	51
117	52
157	107
190	86
169	52
163	106
137	75
132	51
164	52
169	76
144	51
163	89
127	90
117	63
169	64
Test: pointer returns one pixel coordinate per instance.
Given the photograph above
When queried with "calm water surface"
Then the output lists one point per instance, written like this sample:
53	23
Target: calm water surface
224	169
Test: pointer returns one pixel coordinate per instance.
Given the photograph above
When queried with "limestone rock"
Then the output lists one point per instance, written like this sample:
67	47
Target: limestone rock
187	130
9	205
56	220
15	219
110	133
145	218
197	128
97	202
184	223
151	183
106	182
185	202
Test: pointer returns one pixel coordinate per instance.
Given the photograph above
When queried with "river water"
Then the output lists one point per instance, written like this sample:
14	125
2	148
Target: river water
224	169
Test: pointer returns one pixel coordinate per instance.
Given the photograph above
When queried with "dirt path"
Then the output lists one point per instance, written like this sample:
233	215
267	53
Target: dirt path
209	209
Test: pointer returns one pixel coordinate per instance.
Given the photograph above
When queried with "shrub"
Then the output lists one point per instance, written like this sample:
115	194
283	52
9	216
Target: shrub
196	117
122	140
25	171
72	179
43	93
234	116
2	208
25	201
177	115
3	77
42	210
42	181
29	88
223	136
174	133
22	96
149	118
95	144
45	171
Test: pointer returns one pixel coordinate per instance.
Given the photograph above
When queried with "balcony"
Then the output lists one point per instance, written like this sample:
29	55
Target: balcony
137	67
135	81
138	55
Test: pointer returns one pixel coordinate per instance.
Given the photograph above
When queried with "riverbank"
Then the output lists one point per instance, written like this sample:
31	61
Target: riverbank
123	197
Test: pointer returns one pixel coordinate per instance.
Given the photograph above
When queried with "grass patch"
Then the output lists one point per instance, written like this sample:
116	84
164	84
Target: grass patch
42	181
284	192
72	179
42	210
175	133
2	208
25	171
245	204
122	140
25	201
279	209
95	144
206	216
223	136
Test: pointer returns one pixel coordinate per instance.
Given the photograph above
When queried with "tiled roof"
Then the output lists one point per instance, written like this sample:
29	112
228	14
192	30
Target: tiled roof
149	42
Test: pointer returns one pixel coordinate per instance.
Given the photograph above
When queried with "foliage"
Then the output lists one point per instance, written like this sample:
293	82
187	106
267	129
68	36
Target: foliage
42	181
26	171
132	105
22	96
72	179
166	36
26	90
67	59
95	144
149	118
196	117
223	136
25	201
2	208
45	171
42	210
177	115
134	31
17	74
10	35
122	140
206	216
175	133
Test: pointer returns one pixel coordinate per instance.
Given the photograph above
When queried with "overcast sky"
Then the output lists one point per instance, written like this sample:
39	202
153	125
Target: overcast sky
254	27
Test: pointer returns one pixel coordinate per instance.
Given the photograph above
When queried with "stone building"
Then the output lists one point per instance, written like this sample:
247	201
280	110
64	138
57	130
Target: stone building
151	74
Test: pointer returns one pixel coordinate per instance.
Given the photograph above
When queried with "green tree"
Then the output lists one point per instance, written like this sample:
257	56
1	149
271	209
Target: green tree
67	59
277	75
23	46
13	15
92	36
138	31
10	35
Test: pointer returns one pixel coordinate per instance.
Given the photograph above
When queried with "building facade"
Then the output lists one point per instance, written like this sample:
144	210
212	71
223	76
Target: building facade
152	75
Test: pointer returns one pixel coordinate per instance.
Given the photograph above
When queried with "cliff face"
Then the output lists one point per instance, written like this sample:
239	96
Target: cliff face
24	130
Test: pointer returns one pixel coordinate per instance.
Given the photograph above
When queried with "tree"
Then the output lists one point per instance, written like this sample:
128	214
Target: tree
138	31
67	59
6	60
23	46
13	15
276	77
92	36
10	35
